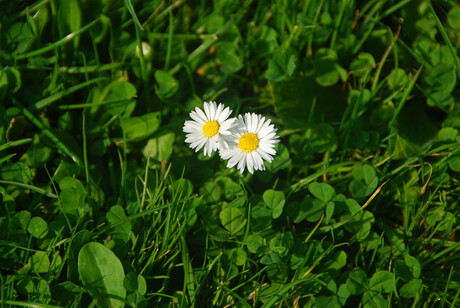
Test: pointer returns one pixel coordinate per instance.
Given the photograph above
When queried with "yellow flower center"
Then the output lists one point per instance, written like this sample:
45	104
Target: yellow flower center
248	142
210	128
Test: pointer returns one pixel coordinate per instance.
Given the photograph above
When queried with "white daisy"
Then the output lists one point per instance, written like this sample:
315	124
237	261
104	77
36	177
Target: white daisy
210	128
253	142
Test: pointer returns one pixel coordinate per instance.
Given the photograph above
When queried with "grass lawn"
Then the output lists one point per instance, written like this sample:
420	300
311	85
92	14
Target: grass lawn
349	198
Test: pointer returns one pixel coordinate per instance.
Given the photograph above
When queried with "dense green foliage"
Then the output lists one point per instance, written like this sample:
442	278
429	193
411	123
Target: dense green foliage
102	203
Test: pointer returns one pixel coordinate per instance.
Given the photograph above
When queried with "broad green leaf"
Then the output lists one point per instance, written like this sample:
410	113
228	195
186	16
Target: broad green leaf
115	215
68	17
270	258
281	243
413	265
254	242
440	98
211	192
17	172
160	148
343	294
280	67
275	201
232	219
315	209
373	299
19	37
357	281
120	91
227	53
167	84
329	301
322	191
382	282
80	239
453	18
138	128
72	195
40	262
442	77
337	261
21	220
130	282
411	288
37	227
365	181
398	78
102	275
261	218
362	64
325	63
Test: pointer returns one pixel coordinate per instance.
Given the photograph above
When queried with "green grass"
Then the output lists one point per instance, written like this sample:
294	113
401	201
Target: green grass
103	204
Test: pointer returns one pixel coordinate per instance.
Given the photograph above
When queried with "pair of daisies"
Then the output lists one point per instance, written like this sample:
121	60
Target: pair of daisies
245	141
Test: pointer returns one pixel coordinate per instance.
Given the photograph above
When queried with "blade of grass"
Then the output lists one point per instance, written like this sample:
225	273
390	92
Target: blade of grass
46	131
405	96
57	96
130	8
56	44
447	40
30	187
15	143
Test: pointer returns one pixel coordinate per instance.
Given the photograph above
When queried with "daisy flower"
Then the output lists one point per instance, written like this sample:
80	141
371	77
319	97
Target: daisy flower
253	141
210	128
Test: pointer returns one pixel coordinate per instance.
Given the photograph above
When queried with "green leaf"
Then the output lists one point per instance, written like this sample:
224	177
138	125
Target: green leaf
21	220
102	275
138	128
275	201
382	282
40	262
211	192
270	258
357	281
227	53
337	261
115	215
19	37
362	64
327	302
411	288
68	17
413	265
38	227
374	300
17	172
72	195
160	148
315	209
453	18
232	219
325	63
280	67
322	191
365	181
120	90
130	282
167	84
398	78
254	242
130	8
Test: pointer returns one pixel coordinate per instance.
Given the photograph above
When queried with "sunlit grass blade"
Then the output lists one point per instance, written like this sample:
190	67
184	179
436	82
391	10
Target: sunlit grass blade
57	96
30	187
47	132
52	46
